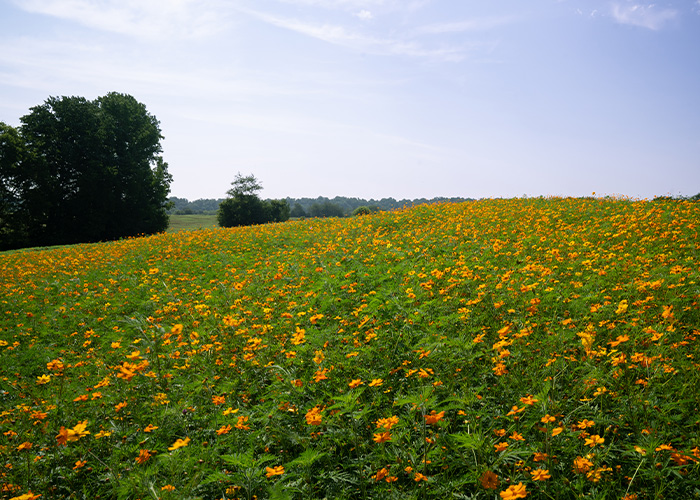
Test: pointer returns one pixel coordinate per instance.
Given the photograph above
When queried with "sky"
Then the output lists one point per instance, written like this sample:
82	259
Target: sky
383	98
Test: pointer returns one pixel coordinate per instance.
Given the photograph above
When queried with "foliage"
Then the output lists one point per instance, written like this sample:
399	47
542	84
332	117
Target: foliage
80	171
243	207
200	206
539	349
363	210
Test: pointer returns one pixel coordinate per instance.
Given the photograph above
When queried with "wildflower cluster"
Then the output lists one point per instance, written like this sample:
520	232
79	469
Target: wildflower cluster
538	348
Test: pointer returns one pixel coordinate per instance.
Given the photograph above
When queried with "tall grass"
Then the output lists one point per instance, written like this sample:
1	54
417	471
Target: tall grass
539	348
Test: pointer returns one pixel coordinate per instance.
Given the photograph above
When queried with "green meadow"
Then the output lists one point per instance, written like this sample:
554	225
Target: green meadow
540	348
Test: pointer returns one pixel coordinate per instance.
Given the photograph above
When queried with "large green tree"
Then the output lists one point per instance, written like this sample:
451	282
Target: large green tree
83	171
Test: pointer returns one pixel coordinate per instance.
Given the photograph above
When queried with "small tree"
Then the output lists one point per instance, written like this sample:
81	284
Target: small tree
243	207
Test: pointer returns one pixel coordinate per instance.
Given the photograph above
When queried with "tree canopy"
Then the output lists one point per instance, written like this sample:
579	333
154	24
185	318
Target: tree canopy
78	171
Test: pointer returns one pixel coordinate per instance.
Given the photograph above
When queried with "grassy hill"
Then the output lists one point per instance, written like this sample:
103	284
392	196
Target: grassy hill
539	348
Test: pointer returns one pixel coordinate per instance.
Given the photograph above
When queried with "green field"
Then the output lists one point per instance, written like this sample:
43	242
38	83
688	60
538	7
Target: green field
191	222
523	348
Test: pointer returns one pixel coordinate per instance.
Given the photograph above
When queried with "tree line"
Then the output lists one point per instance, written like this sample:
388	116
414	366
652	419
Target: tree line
77	171
339	206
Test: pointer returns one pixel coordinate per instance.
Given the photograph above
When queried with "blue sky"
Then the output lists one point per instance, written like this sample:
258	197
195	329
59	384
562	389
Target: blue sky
383	98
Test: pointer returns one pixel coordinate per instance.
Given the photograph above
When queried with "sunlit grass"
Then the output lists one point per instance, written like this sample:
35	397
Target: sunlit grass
191	222
540	348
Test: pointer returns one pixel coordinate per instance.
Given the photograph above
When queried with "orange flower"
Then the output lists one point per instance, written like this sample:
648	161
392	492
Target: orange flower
419	477
595	439
79	464
489	480
168	487
24	446
376	382
513	492
179	443
274	471
557	430
387	423
540	457
547	418
528	400
150	428
355	383
500	446
434	418
381	437
120	406
144	455
224	430
313	416
320	375
582	465
381	474
540	474
218	400
241	424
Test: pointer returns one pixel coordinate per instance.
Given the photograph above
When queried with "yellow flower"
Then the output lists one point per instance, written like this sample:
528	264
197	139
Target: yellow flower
180	443
43	379
376	382
621	307
168	487
274	471
26	496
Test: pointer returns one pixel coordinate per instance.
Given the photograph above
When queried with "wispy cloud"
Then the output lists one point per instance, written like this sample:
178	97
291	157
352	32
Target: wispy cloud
152	19
354	40
365	15
464	26
646	16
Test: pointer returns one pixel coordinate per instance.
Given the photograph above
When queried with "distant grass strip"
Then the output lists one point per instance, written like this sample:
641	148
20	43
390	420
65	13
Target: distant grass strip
191	222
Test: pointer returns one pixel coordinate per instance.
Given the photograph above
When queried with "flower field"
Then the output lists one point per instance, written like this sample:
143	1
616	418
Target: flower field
523	348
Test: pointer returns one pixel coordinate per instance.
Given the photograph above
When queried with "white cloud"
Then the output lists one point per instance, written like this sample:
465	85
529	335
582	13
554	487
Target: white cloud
645	16
152	19
365	15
